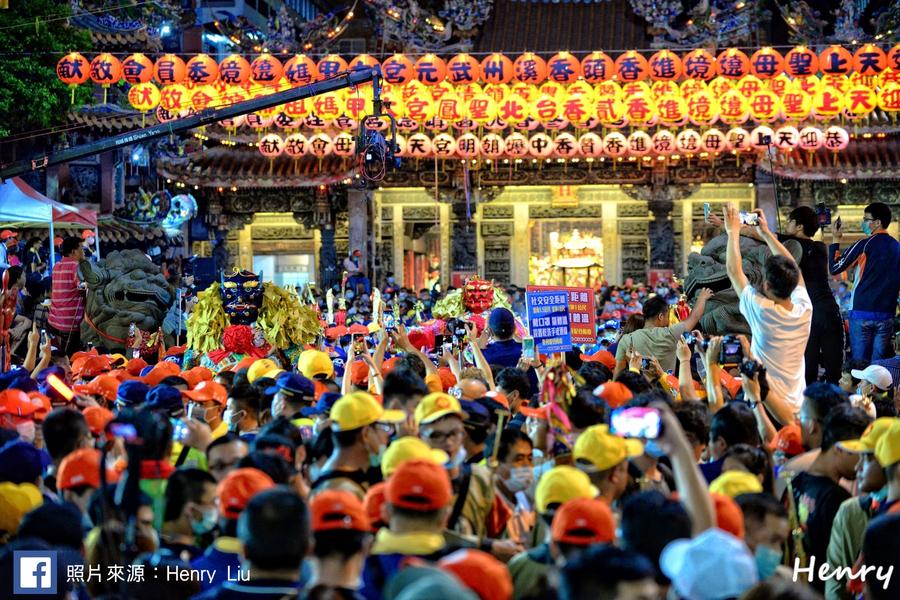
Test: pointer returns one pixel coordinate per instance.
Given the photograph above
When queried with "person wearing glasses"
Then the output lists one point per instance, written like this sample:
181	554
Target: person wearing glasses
876	283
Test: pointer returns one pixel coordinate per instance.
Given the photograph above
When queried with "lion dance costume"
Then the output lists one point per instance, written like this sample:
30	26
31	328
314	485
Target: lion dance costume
243	317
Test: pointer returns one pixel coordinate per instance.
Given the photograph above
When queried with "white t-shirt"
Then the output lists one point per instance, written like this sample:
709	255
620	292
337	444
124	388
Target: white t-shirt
779	340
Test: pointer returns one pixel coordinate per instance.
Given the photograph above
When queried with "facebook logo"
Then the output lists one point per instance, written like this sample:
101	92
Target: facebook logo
34	572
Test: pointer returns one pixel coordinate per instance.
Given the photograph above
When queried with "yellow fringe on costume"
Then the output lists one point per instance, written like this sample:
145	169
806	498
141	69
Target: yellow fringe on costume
207	322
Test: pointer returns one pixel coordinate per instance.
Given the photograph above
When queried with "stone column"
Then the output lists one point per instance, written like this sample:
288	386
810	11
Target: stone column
520	248
612	262
359	225
444	210
660	229
328	261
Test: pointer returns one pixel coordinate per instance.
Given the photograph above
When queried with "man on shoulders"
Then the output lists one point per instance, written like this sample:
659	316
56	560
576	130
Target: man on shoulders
876	283
779	315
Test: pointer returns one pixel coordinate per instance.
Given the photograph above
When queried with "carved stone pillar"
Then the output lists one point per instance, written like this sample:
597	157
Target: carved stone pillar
330	268
359	224
661	233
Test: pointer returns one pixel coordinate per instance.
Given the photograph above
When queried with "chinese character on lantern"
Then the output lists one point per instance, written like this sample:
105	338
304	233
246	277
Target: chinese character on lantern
597	67
463	69
563	68
530	68
699	64
137	68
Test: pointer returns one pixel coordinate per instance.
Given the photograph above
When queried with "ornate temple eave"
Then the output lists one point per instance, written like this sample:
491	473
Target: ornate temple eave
234	167
864	159
125	41
111	119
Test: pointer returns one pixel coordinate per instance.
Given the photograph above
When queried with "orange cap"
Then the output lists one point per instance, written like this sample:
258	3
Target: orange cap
82	467
788	440
16	403
43	404
97	418
448	379
359	372
160	371
540	412
338	510
614	393
480	572
83	354
582	522
238	487
373	503
135	366
206	391
728	515
244	363
197	375
419	485
88	367
105	385
389	365
604	357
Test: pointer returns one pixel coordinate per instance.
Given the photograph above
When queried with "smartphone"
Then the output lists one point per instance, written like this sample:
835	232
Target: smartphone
126	431
528	347
636	422
645	364
824	214
749	218
390	323
688	337
359	343
706	211
43	336
196	412
180	431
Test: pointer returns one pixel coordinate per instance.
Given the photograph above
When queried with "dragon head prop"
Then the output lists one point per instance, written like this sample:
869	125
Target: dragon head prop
475	297
123	288
242	296
478	295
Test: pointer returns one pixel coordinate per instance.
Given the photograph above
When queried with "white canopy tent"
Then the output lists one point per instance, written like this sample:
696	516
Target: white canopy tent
21	204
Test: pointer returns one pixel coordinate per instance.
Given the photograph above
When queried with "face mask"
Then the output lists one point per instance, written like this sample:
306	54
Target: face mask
520	478
457	460
26	431
767	560
375	459
867	227
391	280
349	295
206	523
652	449
401	296
232	419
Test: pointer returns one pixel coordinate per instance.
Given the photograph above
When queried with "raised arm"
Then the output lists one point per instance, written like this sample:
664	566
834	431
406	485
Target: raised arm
685	380
733	254
772	241
697	312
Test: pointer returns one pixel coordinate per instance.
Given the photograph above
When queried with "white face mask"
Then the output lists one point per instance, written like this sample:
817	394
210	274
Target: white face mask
457	460
207	522
26	431
520	478
232	419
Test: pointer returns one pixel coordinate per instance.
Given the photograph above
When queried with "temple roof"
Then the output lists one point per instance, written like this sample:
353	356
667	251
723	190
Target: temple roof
524	26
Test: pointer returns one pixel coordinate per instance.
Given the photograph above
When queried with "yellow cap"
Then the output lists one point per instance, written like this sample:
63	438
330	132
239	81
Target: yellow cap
735	483
437	405
359	409
409	448
315	362
603	449
264	367
561	484
869	438
15	501
887	450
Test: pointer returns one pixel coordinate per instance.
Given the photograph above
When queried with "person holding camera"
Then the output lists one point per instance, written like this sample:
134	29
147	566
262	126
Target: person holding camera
779	315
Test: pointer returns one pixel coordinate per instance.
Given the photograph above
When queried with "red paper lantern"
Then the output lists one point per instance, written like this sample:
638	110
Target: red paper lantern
631	66
766	63
330	66
563	68
597	67
266	69
530	68
801	62
733	63
137	68
665	65
234	70
169	69
164	115
73	69
201	70
398	70
496	68
363	61
300	70
463	69
835	60
699	64
430	69
893	58
869	59
106	69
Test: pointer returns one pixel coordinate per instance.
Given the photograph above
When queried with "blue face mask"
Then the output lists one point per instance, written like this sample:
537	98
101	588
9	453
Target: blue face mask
867	227
767	560
652	449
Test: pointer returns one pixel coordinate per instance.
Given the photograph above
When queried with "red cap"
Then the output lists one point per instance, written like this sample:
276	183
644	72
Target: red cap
338	510
540	412
389	365
605	357
238	487
88	367
57	241
788	439
97	418
728	515
359	373
206	391
480	572
196	376
582	522
83	354
106	386
82	467
419	485
43	404
448	379
7	233
135	366
87	233
16	403
374	503
614	393
160	371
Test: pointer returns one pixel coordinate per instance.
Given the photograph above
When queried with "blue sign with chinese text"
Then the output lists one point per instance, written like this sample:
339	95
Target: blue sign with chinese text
548	319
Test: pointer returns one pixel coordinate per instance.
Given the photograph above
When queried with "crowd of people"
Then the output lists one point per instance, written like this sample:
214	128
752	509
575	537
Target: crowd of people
659	463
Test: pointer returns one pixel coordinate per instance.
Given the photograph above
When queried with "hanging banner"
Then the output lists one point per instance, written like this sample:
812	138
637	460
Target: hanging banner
548	318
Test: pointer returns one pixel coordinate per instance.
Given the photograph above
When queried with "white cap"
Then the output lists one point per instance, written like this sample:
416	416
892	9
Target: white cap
713	556
877	375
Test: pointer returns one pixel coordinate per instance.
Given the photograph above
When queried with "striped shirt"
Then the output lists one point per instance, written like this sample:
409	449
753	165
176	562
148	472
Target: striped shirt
66	300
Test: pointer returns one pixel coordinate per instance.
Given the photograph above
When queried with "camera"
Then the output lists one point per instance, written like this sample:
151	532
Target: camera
731	352
824	214
751	368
